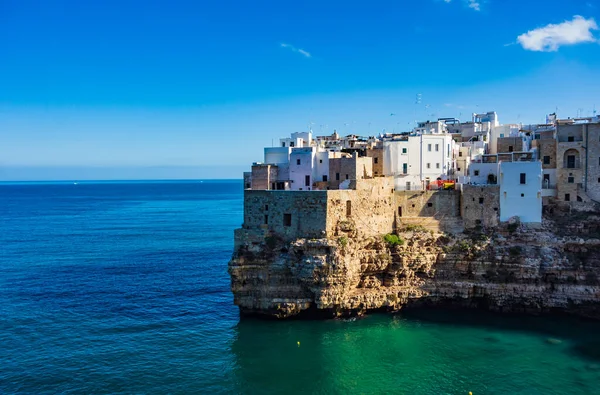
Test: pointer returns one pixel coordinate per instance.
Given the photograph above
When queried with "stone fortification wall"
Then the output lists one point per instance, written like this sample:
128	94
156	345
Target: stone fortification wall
368	210
288	214
480	205
439	204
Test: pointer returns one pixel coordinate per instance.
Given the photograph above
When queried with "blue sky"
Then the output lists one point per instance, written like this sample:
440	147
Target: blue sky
99	89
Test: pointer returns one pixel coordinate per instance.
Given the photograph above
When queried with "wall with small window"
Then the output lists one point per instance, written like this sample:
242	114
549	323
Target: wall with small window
287	214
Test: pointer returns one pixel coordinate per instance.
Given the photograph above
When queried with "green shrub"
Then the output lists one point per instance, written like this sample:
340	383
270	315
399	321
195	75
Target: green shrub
463	246
415	228
343	241
393	240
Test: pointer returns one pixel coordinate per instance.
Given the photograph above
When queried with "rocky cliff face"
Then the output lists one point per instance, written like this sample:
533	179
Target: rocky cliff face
510	269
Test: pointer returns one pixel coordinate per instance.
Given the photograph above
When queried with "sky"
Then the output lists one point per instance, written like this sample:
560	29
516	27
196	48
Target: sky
187	89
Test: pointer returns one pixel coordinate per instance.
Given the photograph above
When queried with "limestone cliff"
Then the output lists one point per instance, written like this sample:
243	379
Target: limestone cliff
513	268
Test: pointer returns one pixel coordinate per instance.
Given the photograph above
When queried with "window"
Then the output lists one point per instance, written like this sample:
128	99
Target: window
324	178
598	179
546	180
291	144
522	195
337	176
570	161
501	135
283	144
320	160
570	139
546	160
347	176
510	148
437	147
266	220
429	165
307	181
403	150
598	161
348	208
429	204
458	169
571	180
405	168
567	197
298	162
437	165
375	160
429	147
523	178
480	200
287	219
266	207
459	153
476	172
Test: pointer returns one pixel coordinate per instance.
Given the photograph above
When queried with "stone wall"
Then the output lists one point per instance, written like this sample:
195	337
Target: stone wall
263	176
546	147
349	168
437	204
563	173
593	170
367	211
504	144
287	214
480	205
377	155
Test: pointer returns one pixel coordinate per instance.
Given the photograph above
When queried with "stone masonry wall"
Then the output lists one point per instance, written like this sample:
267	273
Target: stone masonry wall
438	204
377	155
547	147
593	170
480	205
368	210
505	142
306	212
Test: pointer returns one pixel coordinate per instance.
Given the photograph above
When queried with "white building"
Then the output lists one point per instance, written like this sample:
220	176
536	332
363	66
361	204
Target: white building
521	191
297	140
417	160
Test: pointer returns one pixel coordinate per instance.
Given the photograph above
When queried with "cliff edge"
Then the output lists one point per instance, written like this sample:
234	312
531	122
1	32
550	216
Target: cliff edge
511	268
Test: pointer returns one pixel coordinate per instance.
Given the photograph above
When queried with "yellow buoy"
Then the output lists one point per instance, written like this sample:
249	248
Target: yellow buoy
298	344
470	393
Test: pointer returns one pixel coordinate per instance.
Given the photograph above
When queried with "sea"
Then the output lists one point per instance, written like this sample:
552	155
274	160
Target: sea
122	288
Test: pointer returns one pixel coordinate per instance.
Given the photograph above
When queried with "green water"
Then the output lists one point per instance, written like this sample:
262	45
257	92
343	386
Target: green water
433	352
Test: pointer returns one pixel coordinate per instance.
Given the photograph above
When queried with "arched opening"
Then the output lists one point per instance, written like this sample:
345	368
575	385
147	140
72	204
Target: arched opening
571	159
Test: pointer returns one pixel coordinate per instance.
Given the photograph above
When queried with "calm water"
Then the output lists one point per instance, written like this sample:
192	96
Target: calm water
123	288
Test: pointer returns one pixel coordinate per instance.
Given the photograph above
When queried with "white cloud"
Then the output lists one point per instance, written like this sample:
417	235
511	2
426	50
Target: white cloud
474	4
551	37
298	50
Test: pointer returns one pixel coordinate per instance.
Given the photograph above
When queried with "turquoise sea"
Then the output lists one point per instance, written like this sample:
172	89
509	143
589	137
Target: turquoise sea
123	288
